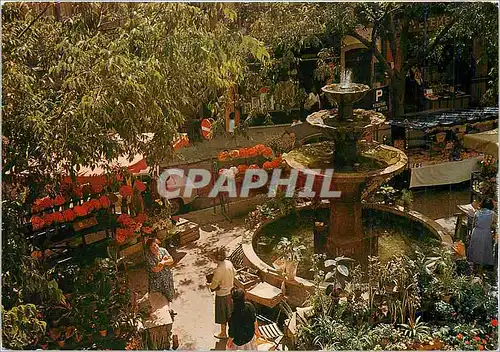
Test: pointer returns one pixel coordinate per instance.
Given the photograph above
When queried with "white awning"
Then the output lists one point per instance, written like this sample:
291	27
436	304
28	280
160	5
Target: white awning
486	142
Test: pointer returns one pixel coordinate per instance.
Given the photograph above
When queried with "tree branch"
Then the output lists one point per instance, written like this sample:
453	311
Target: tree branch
374	49
34	20
432	46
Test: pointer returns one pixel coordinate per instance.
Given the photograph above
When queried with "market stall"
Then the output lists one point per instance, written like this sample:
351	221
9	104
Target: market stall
434	143
486	142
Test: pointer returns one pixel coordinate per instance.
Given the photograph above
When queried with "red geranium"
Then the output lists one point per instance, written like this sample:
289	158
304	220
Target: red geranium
44	203
147	230
494	322
254	166
37	222
267	152
476	338
121	235
69	215
57	217
141	217
48	219
105	202
126	191
252	152
119	177
139	185
267	165
480	347
81	210
59	200
242	168
460	336
126	221
260	148
93	204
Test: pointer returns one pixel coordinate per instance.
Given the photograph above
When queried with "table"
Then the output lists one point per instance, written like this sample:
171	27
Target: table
444	173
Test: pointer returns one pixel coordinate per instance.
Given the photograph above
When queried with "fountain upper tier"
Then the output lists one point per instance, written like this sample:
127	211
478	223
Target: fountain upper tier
345	93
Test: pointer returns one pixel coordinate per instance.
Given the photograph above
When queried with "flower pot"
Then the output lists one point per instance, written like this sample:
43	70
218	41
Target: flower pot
291	270
132	240
103	332
161	234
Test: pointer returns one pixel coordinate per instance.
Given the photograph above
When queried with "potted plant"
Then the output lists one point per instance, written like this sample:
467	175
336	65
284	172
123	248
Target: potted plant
406	199
387	194
292	253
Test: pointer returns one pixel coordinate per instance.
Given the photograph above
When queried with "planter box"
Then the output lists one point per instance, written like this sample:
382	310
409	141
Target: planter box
245	279
85	223
188	232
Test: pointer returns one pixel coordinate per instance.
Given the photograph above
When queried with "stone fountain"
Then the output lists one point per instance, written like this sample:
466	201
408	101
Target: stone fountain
359	165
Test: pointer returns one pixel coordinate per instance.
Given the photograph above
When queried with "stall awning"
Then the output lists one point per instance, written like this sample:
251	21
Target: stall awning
486	142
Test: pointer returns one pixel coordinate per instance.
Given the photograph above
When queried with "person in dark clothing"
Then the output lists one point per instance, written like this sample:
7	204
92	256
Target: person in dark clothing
243	327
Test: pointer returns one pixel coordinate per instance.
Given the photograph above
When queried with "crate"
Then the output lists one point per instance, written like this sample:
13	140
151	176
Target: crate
188	232
265	294
245	279
85	223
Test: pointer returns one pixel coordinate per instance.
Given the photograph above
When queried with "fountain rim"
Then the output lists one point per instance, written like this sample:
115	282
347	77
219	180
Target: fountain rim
348	123
363	88
251	256
362	176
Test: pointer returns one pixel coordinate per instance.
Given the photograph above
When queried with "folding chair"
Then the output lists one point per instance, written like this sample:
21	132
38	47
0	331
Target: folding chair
236	257
270	330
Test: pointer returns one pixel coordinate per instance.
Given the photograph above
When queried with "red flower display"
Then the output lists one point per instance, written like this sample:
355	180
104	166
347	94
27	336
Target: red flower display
126	191
69	215
126	221
480	347
267	165
44	203
141	217
242	168
59	200
37	222
147	230
254	166
105	202
267	152
93	204
48	219
260	148
460	336
119	177
139	185
494	322
121	235
57	217
252	152
81	210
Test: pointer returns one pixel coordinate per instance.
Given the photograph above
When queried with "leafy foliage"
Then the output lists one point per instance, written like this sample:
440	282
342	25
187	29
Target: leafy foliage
21	326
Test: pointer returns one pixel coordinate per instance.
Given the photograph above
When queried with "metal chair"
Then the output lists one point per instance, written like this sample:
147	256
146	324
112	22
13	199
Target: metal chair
270	330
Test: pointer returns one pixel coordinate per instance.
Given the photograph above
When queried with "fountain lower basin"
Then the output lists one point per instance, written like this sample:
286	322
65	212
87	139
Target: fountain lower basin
299	289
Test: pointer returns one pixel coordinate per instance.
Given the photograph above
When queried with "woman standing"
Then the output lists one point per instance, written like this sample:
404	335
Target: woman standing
243	327
160	276
480	249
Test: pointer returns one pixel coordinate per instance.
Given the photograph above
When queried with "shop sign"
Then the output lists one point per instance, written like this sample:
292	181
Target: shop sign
432	24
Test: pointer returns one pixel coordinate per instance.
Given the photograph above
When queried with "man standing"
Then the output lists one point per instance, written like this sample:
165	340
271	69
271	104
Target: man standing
222	283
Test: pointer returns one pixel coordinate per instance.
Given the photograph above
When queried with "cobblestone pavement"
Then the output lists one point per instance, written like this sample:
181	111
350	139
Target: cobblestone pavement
193	301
